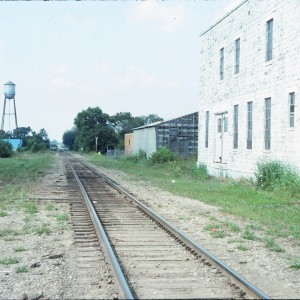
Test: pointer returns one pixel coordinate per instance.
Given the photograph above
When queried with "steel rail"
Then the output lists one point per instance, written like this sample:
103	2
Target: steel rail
124	290
251	290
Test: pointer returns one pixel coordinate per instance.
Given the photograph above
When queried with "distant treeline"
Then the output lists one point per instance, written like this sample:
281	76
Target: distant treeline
92	126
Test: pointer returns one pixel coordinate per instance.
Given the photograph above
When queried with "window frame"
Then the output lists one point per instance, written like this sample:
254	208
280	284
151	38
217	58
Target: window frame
235	126
249	124
222	63
267	129
237	56
292	110
206	128
269	39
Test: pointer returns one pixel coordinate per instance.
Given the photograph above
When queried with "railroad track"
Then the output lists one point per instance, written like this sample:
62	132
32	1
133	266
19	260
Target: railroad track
148	257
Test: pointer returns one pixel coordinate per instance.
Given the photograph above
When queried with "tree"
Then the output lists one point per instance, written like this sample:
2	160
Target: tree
69	138
6	149
124	122
22	133
151	119
92	123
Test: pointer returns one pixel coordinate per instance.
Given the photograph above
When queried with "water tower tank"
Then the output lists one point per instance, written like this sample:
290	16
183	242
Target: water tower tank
9	90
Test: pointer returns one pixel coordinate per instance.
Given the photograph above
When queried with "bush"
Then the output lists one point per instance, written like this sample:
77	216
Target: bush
200	171
162	155
276	175
6	149
137	157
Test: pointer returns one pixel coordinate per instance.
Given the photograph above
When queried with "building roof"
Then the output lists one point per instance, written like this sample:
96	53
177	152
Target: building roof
160	122
225	16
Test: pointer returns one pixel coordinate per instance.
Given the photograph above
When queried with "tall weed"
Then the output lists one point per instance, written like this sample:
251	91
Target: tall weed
276	176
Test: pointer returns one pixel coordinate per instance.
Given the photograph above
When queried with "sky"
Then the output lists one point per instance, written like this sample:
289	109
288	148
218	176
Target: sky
123	56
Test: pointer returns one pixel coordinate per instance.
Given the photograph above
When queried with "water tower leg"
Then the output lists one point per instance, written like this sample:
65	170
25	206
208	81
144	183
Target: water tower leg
16	116
2	123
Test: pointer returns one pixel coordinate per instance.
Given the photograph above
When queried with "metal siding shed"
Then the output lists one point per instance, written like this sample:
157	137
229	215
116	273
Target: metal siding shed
179	134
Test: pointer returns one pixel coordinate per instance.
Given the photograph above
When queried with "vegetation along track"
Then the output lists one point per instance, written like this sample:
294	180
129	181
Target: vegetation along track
149	257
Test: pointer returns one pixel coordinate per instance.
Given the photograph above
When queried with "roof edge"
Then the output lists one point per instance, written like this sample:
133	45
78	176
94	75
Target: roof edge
225	16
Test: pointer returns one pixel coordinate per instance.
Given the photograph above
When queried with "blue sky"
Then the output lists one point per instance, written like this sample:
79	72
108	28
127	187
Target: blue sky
123	56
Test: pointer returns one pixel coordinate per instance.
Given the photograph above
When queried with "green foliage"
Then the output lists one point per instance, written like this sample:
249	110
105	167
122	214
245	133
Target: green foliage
92	123
19	249
296	264
69	138
25	167
8	232
137	157
3	213
248	234
278	176
43	229
8	261
242	247
200	171
62	217
21	269
272	245
29	207
6	149
162	155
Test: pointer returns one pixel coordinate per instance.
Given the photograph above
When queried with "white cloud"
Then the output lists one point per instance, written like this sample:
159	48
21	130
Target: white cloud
60	69
167	18
61	82
102	67
136	77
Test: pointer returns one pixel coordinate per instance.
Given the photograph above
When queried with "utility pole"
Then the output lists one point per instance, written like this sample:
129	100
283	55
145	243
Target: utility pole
96	144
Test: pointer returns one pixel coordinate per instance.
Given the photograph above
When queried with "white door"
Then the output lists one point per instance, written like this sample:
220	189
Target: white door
221	134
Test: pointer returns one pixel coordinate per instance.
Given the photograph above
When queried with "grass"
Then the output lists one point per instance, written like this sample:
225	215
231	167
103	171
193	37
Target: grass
21	269
19	249
242	247
42	229
272	245
248	234
9	232
3	213
277	212
50	207
8	261
62	217
296	264
24	167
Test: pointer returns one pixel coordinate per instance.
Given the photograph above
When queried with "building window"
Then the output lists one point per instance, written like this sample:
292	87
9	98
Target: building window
206	128
222	64
249	124
226	124
235	126
292	109
269	52
237	57
267	123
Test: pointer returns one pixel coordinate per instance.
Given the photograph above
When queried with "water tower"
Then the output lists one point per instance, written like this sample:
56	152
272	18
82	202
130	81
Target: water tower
9	94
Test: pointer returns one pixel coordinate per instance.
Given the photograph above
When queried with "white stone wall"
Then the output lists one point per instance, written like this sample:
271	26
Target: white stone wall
256	81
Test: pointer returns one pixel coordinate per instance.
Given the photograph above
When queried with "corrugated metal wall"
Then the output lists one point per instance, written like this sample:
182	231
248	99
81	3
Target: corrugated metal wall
180	135
145	139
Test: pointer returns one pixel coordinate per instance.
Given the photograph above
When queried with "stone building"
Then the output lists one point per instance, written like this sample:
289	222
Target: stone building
249	87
